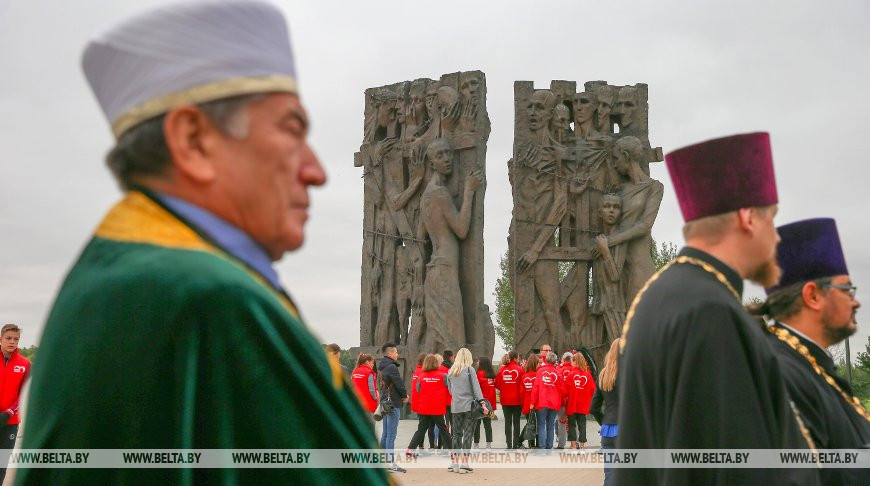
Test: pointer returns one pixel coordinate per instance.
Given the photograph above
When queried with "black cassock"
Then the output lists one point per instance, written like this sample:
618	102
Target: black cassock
833	422
698	373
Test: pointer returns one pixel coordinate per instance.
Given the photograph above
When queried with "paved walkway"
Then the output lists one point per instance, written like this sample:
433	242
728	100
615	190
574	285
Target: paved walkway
504	476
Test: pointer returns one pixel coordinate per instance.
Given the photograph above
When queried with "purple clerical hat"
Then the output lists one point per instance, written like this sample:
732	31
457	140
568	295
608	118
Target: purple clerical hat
808	250
722	175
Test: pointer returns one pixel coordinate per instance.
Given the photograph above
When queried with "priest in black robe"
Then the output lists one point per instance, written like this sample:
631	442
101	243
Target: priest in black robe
696	371
813	307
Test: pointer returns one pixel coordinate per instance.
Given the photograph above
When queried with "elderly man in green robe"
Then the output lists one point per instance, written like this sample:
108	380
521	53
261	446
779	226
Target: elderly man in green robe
199	345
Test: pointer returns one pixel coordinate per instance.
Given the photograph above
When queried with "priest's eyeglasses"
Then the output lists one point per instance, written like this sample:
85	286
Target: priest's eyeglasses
849	289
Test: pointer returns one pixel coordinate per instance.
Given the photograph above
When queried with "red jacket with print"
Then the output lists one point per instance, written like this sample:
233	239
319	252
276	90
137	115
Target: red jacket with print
528	379
15	372
578	389
509	383
547	390
433	390
487	388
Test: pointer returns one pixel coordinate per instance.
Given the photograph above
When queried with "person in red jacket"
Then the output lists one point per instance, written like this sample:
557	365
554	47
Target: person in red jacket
508	382
530	373
486	379
363	378
578	389
414	399
547	400
416	374
431	407
16	371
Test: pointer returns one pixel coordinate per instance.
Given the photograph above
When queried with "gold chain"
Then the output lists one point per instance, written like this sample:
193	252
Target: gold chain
801	348
683	259
724	280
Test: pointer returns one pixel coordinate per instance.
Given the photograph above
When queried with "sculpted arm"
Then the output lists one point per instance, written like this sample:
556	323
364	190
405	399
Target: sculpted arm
645	223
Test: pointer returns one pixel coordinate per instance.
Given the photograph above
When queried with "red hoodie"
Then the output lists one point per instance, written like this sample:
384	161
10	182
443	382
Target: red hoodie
578	389
528	380
414	387
509	383
360	378
487	388
547	390
432	392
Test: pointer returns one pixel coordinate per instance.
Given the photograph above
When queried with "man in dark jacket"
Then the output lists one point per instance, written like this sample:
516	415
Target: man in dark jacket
393	394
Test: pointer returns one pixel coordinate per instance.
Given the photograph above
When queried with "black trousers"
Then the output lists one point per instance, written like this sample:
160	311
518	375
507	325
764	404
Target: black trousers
423	426
512	427
8	434
577	427
487	428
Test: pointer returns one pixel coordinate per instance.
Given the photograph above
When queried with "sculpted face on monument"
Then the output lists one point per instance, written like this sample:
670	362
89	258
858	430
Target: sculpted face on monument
440	156
417	101
386	108
540	109
611	209
605	105
626	151
432	100
626	105
584	107
447	100
469	86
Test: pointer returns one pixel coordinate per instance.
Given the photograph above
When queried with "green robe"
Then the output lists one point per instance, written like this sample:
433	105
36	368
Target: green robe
158	339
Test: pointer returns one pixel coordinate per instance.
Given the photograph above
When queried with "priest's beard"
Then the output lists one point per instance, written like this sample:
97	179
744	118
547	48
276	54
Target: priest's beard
767	274
834	333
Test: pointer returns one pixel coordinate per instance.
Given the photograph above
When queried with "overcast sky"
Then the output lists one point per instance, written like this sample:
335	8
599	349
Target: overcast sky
798	69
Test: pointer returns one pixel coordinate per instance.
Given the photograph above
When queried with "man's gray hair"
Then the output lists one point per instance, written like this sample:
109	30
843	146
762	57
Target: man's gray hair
552	358
142	151
389	350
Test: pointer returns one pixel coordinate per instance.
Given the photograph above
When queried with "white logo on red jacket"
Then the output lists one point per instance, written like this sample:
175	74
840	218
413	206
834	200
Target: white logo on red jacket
549	377
580	381
510	376
19	369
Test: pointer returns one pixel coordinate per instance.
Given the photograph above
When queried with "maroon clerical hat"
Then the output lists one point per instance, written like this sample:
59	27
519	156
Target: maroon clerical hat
722	175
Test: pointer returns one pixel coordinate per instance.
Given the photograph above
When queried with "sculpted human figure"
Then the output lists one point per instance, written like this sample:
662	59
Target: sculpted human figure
605	97
626	105
584	111
608	300
388	156
469	84
449	109
417	117
560	124
445	226
641	198
545	190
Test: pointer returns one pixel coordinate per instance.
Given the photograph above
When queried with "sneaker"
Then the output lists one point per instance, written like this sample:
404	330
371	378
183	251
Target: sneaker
453	468
465	469
396	469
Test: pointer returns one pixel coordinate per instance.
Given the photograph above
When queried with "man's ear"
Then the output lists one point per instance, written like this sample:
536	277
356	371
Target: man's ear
812	296
747	219
191	139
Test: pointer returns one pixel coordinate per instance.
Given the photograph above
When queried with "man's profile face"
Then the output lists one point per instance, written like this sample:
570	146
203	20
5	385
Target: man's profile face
265	176
838	315
545	350
9	341
767	273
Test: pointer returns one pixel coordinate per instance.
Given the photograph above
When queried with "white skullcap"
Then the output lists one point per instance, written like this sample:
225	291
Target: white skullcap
188	53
